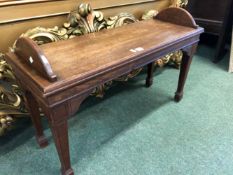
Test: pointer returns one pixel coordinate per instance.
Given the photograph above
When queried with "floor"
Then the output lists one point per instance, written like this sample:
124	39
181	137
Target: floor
140	131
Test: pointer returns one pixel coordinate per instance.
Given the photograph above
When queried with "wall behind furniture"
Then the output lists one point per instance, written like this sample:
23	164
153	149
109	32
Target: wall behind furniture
16	17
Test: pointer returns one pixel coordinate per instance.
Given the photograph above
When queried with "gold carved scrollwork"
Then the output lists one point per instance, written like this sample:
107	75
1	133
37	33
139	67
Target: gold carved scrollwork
149	14
180	3
84	20
5	69
81	21
11	102
173	59
120	20
46	35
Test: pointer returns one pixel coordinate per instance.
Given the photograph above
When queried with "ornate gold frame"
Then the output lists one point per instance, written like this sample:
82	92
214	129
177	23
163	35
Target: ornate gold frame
80	21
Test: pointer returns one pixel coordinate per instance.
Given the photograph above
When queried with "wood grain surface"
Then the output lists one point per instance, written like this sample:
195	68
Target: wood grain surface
76	58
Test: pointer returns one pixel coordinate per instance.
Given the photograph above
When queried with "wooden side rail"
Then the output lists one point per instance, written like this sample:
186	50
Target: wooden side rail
30	52
59	76
177	16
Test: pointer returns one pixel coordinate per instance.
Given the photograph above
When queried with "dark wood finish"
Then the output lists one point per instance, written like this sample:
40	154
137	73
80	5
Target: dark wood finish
225	32
60	135
35	116
149	78
174	15
209	14
184	69
84	62
215	17
30	52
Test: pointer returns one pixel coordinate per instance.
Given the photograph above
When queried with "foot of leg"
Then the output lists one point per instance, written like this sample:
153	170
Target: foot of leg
178	97
42	141
68	172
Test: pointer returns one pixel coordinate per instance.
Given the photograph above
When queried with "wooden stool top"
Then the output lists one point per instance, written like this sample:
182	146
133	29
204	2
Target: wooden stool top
80	58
